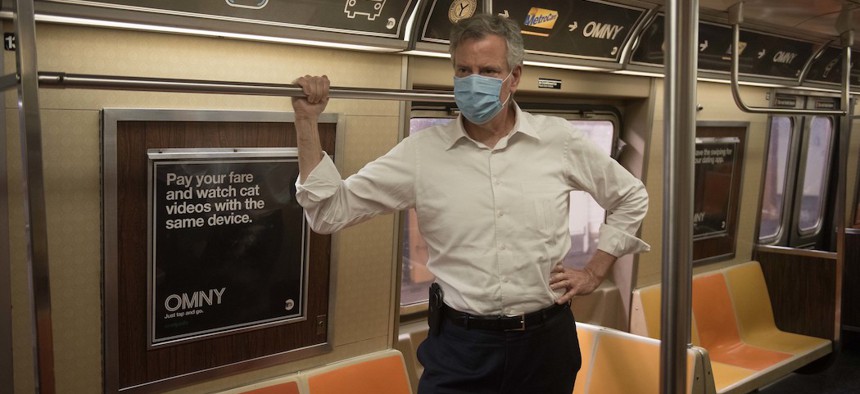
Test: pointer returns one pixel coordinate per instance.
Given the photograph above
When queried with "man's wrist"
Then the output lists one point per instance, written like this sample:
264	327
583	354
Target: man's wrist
594	278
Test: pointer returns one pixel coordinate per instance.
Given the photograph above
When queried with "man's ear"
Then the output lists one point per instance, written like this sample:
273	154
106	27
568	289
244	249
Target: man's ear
516	74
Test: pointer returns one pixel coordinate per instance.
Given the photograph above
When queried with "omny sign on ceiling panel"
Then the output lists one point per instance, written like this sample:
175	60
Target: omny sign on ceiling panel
586	29
759	53
578	28
378	18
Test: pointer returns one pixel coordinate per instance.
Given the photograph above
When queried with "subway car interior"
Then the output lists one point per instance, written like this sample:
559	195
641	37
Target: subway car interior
736	115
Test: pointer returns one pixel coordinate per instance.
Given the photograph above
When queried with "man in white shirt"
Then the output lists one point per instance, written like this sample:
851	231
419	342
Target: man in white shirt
491	191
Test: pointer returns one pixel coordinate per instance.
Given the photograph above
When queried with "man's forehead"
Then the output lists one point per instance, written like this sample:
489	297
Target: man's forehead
487	51
488	38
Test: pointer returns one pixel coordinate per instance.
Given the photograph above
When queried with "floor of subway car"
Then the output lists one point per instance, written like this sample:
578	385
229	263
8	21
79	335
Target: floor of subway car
842	377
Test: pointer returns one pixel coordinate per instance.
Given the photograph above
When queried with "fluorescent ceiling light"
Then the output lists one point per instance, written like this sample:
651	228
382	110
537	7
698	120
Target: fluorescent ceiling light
207	33
565	66
427	53
639	73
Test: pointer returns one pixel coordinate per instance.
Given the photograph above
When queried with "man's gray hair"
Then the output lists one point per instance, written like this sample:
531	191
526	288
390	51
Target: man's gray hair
480	25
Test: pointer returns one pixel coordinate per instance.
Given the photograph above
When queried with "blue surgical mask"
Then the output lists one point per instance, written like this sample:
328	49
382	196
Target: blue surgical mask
478	98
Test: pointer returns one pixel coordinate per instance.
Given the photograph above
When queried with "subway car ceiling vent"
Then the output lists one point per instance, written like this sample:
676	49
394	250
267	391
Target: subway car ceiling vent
779	38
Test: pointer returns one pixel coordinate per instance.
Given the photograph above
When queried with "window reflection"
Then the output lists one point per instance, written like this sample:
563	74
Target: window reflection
773	199
814	175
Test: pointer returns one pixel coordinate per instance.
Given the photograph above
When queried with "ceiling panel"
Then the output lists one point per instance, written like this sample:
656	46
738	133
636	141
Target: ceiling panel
817	18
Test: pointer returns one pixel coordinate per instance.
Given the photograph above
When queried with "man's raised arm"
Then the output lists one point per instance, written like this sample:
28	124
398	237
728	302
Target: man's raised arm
308	110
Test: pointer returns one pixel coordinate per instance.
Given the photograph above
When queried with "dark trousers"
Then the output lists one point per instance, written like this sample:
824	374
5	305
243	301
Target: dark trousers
542	360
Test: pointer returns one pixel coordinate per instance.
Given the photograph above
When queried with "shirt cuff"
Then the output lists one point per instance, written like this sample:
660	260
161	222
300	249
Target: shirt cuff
322	183
619	243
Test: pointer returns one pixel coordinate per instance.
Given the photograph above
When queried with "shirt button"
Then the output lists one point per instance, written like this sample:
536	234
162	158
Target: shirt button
501	213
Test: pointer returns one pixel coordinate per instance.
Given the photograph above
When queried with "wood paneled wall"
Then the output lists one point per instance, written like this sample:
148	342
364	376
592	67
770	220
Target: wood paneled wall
802	288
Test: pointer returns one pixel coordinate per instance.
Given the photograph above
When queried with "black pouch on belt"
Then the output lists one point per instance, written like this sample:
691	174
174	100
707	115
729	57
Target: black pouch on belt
434	317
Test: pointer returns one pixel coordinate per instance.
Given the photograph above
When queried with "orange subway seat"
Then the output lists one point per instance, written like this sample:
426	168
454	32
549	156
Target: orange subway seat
727	375
717	326
636	359
379	373
650	299
757	327
587	335
283	388
636	362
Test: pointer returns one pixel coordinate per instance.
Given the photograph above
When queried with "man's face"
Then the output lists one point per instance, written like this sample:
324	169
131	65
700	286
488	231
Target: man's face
487	57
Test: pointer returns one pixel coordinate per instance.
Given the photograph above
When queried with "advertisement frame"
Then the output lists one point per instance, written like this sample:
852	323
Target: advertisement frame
200	156
113	125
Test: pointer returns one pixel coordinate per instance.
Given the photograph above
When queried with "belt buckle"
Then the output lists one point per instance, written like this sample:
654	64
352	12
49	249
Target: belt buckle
522	326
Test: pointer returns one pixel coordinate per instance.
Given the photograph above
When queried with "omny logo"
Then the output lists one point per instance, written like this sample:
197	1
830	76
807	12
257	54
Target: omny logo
188	303
784	57
542	18
605	31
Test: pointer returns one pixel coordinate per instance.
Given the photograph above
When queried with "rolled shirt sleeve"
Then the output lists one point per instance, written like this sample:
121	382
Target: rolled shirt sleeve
622	195
321	184
382	186
617	235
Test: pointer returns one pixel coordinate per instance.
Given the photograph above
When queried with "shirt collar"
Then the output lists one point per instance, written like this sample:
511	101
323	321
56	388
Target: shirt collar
523	124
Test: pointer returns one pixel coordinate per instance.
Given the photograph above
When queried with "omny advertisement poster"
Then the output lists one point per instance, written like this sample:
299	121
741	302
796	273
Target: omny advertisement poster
227	242
713	194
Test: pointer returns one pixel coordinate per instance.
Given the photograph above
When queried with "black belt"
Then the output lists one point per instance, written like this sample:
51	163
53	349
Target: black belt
503	323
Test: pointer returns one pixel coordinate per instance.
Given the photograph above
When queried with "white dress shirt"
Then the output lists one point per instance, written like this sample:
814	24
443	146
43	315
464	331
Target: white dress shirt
495	220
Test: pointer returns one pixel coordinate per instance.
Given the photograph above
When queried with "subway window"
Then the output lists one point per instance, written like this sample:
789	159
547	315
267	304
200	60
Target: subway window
775	179
815	175
585	216
415	278
797	180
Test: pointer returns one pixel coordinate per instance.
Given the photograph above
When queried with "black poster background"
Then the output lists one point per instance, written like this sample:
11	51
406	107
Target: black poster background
569	34
381	18
437	28
828	67
258	267
575	31
762	54
713	187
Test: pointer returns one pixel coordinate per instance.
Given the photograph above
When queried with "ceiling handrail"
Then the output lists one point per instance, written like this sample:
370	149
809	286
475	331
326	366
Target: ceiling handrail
807	67
735	19
635	39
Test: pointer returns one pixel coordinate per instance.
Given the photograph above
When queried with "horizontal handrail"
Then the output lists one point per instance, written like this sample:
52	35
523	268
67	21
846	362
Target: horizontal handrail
83	81
8	81
820	254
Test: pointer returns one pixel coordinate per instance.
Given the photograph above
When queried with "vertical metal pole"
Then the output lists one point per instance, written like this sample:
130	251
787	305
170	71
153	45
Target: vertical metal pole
7	383
844	140
35	217
681	56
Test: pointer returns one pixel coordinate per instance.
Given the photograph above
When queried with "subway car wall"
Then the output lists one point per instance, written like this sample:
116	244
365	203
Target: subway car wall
364	308
362	278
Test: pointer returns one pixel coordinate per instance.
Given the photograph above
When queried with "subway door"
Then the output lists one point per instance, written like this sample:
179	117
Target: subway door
797	183
777	203
813	195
